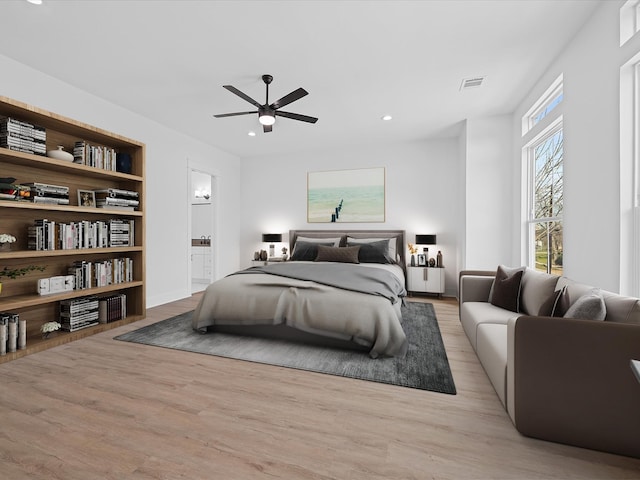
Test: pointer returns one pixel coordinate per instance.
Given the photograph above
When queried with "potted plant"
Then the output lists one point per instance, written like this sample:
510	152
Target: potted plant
48	328
6	240
14	273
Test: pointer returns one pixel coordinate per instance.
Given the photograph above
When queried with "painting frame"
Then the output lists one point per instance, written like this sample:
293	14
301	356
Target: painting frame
86	198
422	260
347	196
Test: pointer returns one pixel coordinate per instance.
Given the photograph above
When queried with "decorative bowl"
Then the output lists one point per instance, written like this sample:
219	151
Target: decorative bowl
60	154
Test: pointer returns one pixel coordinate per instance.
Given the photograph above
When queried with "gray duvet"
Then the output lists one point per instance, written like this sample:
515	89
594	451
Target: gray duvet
358	303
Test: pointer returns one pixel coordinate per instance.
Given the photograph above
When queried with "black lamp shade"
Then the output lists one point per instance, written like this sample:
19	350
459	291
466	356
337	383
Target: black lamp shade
425	239
271	237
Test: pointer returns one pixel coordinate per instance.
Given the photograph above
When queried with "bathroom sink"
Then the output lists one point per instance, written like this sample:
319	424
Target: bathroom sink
200	242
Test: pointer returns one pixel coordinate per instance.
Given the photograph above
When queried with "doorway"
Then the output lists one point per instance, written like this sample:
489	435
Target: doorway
202	241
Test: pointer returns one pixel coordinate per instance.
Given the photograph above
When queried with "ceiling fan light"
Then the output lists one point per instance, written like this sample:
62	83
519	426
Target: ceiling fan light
266	118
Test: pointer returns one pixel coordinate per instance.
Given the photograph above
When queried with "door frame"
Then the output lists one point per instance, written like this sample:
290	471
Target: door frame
200	168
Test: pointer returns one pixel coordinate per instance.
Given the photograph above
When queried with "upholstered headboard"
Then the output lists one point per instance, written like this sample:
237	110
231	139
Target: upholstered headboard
399	235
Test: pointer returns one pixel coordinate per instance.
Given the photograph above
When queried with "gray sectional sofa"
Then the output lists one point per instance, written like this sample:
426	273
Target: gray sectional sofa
566	380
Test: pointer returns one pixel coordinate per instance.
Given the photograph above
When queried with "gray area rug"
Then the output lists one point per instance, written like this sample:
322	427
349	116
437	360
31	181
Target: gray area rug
424	367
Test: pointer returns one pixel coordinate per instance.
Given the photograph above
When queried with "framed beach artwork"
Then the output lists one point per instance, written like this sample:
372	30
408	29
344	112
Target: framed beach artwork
346	196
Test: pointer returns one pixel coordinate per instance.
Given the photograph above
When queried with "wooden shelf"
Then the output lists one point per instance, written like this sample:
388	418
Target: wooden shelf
69	209
38	344
51	164
20	295
68	253
16	302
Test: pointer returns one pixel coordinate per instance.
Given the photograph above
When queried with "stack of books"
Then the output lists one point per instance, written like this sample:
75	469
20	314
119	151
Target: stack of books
81	271
94	155
45	193
112	308
11	191
22	136
117	199
79	313
42	235
121	233
116	270
46	235
13	333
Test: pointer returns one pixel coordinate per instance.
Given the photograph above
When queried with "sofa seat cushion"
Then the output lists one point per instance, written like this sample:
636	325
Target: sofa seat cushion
473	314
492	353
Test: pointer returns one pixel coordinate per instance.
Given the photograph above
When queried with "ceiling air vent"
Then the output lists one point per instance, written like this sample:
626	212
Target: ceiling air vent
471	82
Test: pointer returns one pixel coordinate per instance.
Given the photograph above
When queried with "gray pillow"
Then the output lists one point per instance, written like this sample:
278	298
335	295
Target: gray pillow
589	306
306	251
373	252
337	254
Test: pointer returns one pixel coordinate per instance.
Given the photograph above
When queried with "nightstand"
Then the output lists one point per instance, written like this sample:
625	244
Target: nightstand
425	280
270	261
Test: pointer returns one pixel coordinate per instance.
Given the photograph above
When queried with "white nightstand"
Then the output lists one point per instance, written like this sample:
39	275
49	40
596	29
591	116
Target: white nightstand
425	280
270	261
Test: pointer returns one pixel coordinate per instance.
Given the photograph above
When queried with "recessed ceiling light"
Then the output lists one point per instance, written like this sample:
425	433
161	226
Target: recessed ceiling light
387	117
252	134
35	2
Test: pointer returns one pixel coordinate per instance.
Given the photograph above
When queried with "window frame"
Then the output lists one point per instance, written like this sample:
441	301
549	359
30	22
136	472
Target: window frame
531	220
555	90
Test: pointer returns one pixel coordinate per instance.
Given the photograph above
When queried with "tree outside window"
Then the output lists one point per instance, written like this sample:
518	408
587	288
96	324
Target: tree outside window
546	156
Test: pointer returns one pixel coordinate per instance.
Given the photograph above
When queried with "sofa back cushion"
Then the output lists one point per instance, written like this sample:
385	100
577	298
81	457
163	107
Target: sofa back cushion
537	287
619	308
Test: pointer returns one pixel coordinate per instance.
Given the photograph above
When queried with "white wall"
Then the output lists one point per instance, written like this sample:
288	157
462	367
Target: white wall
422	183
488	167
167	175
591	67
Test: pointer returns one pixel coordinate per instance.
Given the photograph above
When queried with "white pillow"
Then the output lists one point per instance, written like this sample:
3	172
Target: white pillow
392	244
336	241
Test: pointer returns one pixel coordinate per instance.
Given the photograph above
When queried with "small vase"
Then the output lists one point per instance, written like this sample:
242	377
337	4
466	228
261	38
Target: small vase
5	247
413	260
60	154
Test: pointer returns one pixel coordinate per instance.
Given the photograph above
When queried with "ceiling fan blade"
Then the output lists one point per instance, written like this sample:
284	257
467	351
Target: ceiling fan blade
267	128
221	115
287	99
233	89
296	116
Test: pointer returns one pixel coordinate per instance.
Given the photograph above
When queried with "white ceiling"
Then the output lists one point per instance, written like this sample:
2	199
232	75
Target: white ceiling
167	60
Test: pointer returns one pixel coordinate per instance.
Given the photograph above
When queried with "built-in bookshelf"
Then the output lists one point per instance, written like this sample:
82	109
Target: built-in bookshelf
20	295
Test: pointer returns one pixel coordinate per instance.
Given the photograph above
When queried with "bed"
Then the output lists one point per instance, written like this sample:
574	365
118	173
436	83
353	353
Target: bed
320	296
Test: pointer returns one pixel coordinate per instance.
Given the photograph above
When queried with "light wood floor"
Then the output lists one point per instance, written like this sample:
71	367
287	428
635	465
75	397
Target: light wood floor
103	409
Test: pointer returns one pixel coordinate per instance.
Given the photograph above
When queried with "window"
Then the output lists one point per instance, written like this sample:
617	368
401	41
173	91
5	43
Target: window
543	152
629	20
544	106
546	200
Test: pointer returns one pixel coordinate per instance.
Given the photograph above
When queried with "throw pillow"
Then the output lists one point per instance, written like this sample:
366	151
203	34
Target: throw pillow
553	305
323	241
306	251
337	254
373	252
392	244
563	303
506	289
589	306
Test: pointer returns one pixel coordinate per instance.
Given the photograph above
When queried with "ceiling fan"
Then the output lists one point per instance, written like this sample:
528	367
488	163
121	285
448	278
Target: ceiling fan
267	113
